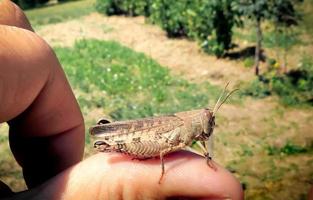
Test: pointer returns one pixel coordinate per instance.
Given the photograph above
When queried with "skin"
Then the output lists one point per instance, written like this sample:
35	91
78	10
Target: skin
47	135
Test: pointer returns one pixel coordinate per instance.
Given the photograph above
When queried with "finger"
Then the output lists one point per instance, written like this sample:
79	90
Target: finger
46	125
12	15
114	176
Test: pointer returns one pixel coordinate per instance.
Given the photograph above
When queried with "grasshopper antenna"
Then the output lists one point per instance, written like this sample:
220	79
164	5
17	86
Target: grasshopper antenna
219	99
218	104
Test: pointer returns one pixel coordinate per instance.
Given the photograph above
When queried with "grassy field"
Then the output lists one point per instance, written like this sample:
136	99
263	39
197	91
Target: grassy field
268	146
59	12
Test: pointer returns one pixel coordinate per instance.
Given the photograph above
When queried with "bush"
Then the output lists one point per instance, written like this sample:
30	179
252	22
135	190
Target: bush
170	15
208	22
124	7
294	87
25	4
288	149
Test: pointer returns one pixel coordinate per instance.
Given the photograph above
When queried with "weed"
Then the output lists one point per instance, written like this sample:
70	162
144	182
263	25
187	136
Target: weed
248	62
288	149
293	87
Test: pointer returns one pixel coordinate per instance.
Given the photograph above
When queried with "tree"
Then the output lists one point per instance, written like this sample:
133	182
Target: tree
211	23
282	12
284	17
27	4
258	11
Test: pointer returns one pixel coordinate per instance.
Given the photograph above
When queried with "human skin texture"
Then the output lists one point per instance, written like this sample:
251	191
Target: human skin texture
47	135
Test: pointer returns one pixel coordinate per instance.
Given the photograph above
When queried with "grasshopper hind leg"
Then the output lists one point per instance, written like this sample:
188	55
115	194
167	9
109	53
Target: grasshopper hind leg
166	151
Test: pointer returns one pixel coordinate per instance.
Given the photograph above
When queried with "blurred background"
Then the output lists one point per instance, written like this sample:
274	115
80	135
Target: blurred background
129	59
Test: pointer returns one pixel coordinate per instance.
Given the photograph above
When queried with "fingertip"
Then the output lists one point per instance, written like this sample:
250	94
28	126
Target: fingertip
186	175
202	181
112	175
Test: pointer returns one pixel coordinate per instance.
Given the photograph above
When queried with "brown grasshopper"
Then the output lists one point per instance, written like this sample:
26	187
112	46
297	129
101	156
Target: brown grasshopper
158	136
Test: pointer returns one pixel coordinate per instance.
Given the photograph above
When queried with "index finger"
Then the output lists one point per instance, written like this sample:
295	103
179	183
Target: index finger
46	125
116	176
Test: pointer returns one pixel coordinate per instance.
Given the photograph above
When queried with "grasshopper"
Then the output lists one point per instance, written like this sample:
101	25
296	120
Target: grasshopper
158	136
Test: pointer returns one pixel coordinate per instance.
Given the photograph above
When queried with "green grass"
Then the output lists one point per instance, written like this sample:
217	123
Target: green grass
271	37
126	84
289	149
60	12
307	11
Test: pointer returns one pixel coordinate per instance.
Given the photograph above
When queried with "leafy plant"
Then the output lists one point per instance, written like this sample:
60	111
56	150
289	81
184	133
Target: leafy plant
256	89
248	62
288	149
282	12
170	15
208	22
124	7
293	88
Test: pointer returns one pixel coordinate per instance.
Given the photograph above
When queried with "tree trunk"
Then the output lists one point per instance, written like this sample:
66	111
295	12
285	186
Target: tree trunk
258	46
285	51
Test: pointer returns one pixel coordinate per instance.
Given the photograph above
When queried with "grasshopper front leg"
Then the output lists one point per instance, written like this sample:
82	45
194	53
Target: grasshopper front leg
206	154
166	151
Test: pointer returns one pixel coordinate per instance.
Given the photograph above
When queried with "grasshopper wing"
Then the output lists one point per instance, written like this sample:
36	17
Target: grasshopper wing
153	124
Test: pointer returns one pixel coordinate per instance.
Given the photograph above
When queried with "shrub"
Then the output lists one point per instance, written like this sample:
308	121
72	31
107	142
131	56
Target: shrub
288	149
256	89
124	7
25	4
170	15
208	22
294	87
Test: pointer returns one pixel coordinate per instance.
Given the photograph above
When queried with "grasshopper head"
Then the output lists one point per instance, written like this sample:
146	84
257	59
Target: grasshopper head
208	117
207	124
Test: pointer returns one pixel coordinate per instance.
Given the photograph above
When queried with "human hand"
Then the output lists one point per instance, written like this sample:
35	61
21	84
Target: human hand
47	135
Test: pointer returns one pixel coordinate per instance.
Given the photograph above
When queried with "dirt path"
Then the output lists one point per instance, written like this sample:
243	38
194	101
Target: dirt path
180	55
